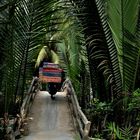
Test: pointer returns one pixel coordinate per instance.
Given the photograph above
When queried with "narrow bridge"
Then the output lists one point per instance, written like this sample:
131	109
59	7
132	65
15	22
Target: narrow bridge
52	119
59	119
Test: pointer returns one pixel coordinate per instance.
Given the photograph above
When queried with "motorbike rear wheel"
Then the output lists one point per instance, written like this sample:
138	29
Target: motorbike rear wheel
52	97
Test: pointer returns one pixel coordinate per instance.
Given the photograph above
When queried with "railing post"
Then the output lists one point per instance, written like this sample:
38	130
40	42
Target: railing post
86	130
83	123
25	105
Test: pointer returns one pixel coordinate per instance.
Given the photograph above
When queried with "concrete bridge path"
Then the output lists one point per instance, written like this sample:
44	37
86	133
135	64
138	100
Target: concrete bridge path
51	118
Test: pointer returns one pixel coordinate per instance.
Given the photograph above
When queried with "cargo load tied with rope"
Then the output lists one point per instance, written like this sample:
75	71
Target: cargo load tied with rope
50	72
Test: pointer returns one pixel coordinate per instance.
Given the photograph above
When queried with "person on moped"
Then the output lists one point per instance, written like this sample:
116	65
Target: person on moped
55	87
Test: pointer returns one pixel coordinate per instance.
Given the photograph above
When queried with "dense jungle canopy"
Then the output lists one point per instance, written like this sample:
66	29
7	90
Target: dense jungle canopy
96	42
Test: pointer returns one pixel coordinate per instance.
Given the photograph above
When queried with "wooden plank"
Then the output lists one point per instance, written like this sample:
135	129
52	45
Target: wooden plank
86	130
26	101
78	112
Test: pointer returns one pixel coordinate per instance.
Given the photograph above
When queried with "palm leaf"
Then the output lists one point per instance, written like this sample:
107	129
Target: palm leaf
123	17
55	57
43	54
111	47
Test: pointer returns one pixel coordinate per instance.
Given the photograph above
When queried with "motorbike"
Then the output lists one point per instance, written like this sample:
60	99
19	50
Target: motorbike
52	75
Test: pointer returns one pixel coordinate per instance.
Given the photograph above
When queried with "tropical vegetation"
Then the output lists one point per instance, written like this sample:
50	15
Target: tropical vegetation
96	42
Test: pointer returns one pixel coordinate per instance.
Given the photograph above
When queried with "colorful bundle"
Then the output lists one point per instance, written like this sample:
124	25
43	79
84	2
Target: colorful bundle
50	73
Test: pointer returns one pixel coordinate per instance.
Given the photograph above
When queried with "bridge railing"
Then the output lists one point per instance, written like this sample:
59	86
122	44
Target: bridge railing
82	122
30	95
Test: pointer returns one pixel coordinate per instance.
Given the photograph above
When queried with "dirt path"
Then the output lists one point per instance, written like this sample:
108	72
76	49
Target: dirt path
51	118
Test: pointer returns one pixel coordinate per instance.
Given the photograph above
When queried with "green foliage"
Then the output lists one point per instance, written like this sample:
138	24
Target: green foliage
23	29
114	76
115	132
125	133
100	106
134	100
97	44
133	109
99	113
123	25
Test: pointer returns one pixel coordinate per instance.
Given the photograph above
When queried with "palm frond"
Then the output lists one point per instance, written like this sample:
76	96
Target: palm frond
43	54
113	56
123	17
